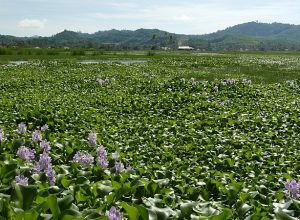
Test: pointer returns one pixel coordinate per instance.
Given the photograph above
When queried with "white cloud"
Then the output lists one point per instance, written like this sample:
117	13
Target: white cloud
32	23
188	17
183	18
123	5
199	18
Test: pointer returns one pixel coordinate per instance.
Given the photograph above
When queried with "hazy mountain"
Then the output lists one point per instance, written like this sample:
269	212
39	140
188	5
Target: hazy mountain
256	36
251	36
253	29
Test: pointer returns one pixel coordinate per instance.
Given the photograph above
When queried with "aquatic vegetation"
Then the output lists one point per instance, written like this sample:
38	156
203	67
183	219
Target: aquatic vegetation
157	140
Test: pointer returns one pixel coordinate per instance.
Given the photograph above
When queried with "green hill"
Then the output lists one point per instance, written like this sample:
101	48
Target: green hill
247	36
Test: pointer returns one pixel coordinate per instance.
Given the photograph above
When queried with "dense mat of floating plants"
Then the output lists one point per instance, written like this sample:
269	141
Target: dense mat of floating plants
111	141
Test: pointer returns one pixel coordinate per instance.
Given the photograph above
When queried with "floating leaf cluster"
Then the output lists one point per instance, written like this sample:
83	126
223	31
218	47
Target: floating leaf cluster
156	142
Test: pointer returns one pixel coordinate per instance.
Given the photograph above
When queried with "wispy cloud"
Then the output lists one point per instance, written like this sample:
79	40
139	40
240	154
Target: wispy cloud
123	5
188	17
32	23
198	17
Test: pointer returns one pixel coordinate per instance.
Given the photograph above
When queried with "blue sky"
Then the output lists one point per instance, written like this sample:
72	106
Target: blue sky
47	17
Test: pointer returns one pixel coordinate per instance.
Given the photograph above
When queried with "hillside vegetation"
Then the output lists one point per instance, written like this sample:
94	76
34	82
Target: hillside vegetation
247	36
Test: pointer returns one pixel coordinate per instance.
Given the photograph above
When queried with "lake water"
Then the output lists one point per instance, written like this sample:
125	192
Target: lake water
19	62
111	61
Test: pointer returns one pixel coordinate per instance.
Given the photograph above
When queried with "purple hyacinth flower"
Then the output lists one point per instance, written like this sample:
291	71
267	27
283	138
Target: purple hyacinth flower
119	167
84	159
93	138
36	136
45	127
102	157
101	152
22	128
43	164
292	188
26	153
50	173
1	134
113	214
45	145
21	180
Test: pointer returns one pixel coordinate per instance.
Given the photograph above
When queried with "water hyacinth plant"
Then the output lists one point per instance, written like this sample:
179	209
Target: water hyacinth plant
26	153
113	214
36	136
22	180
102	157
92	138
292	188
208	151
44	164
84	159
51	175
45	145
119	167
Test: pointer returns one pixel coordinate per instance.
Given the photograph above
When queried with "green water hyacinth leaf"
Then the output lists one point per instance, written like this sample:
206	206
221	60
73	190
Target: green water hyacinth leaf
24	196
65	203
28	215
187	208
225	214
242	208
202	142
71	217
7	170
53	205
143	212
283	214
132	211
106	189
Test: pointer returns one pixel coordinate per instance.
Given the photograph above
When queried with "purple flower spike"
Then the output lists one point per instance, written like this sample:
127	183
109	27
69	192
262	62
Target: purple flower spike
93	138
292	188
36	136
113	214
102	157
43	164
119	167
21	180
85	159
26	153
45	145
22	128
50	173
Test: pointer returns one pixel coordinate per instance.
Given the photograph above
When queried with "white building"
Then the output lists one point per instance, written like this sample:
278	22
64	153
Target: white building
185	48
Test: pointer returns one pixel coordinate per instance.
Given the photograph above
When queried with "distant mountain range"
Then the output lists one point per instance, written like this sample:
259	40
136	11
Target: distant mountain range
247	36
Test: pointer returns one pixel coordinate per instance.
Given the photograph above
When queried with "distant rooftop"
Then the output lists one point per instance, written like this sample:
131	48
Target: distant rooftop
185	48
